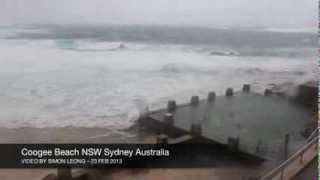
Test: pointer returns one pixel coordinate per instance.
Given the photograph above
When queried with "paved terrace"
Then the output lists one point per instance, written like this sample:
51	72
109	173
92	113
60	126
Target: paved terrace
251	122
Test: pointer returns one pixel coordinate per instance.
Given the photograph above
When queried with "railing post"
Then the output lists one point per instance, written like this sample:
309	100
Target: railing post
286	146
267	92
301	157
281	176
194	100
246	88
171	106
229	92
211	97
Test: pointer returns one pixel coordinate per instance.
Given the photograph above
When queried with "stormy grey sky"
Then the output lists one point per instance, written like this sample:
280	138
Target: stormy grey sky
213	13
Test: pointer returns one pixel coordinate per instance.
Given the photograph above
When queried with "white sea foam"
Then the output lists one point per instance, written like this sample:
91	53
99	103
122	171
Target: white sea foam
44	85
293	30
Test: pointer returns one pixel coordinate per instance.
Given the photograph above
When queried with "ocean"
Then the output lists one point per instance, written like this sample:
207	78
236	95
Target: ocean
102	76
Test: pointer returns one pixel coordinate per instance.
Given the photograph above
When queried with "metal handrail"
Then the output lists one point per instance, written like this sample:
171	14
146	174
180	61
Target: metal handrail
314	133
285	164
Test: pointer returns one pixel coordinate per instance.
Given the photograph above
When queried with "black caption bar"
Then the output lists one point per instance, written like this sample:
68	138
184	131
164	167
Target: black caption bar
112	155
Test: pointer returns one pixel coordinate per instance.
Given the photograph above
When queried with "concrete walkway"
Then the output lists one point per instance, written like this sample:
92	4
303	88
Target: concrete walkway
295	164
310	172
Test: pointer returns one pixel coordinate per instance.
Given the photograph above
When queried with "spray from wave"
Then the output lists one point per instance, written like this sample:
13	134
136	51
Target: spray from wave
59	78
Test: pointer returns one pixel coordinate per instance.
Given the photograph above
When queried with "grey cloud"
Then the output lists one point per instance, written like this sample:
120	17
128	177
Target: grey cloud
247	13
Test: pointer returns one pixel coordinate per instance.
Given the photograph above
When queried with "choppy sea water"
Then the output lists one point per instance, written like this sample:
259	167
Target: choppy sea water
101	76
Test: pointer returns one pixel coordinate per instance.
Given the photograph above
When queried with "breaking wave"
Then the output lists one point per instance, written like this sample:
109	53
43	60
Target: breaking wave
94	82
